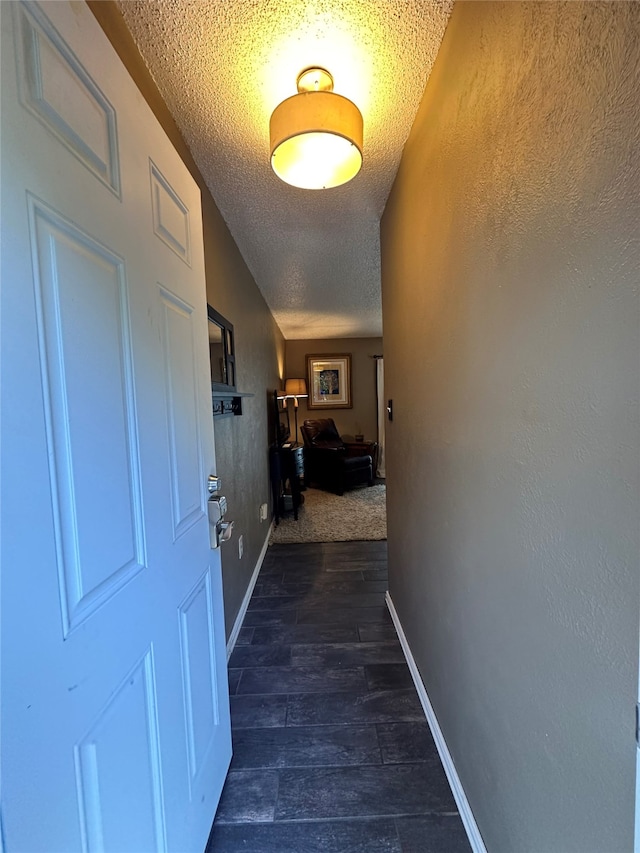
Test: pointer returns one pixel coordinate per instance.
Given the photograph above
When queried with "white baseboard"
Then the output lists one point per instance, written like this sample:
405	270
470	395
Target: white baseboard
470	825
247	596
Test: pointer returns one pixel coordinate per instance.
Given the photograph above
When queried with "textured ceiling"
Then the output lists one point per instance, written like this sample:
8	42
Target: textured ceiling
222	68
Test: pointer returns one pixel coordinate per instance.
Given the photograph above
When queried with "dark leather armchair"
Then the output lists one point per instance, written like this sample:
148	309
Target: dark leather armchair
326	462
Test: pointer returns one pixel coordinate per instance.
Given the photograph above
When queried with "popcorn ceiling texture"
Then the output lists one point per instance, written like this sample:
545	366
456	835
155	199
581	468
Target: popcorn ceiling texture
222	68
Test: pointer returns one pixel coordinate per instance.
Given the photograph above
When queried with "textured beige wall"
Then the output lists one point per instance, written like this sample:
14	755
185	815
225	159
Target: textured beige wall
241	442
510	266
362	418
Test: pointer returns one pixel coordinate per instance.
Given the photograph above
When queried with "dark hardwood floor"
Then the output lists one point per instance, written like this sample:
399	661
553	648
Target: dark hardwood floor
331	749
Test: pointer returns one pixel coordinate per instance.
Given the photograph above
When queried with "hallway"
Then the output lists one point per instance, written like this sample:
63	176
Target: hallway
331	749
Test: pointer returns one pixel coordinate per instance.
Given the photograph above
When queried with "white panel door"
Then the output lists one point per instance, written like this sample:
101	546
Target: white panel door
115	712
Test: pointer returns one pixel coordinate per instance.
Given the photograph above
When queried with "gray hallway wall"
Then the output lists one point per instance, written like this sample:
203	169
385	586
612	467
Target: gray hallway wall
510	268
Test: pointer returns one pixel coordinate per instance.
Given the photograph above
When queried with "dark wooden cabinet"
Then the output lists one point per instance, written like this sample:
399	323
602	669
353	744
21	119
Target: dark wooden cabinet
287	476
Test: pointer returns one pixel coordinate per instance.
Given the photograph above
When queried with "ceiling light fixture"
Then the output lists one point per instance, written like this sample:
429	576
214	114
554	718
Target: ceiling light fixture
316	135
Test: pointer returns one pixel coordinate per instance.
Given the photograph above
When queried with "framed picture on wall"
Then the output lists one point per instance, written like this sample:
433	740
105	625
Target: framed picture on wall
329	381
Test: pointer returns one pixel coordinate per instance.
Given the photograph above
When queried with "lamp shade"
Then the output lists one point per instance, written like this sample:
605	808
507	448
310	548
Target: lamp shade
295	388
316	136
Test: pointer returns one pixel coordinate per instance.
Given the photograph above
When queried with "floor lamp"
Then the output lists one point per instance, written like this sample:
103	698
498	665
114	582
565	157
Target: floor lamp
295	388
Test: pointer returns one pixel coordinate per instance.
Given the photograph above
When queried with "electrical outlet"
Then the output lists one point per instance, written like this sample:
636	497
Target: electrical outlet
263	512
240	547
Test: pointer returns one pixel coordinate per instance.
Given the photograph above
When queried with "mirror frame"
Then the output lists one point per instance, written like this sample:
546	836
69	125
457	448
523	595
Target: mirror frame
228	347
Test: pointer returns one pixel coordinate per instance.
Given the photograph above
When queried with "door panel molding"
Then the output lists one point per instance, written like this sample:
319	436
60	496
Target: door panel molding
170	215
56	88
118	762
201	699
87	378
181	388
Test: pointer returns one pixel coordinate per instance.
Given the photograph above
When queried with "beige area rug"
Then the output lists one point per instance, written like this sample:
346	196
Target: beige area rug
325	517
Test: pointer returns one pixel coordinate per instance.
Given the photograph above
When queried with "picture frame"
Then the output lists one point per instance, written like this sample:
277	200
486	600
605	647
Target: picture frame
329	381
